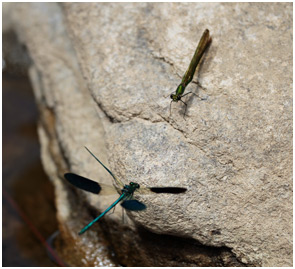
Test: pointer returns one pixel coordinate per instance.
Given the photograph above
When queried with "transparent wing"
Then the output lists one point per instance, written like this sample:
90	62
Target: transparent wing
89	185
171	190
118	182
144	190
109	190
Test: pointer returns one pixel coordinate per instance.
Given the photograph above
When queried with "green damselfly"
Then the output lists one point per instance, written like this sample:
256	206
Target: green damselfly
126	191
188	76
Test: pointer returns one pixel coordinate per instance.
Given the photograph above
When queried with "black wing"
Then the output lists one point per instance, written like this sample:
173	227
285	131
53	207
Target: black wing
83	183
133	205
168	189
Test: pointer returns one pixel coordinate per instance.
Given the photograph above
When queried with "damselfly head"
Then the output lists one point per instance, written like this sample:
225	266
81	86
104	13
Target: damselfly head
174	97
134	185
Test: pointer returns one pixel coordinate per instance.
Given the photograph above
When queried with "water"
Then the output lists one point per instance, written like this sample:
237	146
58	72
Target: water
27	192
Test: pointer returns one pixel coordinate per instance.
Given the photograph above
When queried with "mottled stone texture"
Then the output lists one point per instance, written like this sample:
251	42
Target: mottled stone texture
101	74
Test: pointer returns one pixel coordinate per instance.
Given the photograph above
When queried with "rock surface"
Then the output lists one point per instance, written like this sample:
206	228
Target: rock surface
101	72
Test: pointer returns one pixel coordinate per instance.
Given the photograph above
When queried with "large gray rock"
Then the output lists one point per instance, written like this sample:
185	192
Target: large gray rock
101	75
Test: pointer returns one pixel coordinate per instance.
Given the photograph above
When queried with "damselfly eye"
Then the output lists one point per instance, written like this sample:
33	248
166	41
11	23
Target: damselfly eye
135	185
171	96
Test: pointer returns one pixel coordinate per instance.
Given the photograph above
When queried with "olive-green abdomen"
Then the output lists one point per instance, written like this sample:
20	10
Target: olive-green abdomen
180	89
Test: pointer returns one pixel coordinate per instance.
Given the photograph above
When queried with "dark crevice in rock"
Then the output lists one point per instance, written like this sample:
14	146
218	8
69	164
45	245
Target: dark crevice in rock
145	248
172	249
108	116
163	59
16	55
